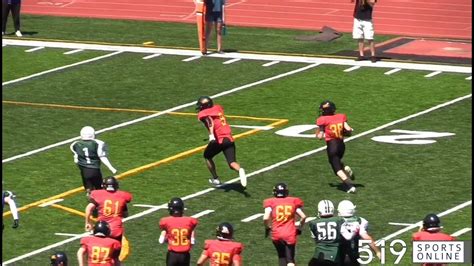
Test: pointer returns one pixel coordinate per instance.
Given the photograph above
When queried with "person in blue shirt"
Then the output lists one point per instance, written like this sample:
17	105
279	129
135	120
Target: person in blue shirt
215	19
12	6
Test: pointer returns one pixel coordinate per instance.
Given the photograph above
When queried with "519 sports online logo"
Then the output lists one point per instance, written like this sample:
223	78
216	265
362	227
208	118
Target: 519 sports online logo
422	252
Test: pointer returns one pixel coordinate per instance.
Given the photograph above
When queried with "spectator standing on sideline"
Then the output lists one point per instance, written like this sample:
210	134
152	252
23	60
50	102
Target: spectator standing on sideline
178	231
215	19
13	6
363	28
333	127
279	219
89	152
220	139
9	198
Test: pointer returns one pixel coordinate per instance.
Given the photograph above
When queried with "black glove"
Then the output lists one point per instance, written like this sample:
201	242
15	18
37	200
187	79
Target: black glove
298	231
16	223
267	231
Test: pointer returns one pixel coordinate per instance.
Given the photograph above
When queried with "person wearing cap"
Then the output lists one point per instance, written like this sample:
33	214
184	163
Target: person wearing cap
89	153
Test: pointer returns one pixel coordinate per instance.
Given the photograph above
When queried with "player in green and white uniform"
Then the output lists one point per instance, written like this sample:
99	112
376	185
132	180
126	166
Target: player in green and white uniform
326	232
354	228
89	153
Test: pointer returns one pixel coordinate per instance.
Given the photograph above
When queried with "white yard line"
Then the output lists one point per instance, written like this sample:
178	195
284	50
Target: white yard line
432	74
390	72
200	214
252	217
351	68
231	61
271	63
461	232
61	68
268	168
151	56
74	51
254	127
46	204
401	224
289	73
34	49
243	56
191	58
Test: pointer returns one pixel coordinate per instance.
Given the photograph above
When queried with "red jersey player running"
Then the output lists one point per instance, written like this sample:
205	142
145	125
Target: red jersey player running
279	218
333	127
431	230
223	251
111	204
220	138
178	230
101	249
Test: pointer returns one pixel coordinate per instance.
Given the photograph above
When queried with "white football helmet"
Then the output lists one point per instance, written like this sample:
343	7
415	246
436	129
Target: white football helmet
346	208
87	133
325	208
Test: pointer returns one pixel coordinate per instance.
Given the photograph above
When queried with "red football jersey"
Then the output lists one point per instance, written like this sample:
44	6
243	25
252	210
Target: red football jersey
333	126
222	253
111	206
427	236
221	128
178	232
283	217
424	235
101	251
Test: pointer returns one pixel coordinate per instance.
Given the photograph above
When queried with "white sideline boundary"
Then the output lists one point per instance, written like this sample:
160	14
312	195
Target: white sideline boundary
162	112
268	168
248	56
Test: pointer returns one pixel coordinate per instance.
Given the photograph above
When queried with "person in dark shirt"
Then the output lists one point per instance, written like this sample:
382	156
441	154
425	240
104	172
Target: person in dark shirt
14	7
364	27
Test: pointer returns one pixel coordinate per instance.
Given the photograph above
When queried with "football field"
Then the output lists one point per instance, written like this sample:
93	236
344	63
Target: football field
141	103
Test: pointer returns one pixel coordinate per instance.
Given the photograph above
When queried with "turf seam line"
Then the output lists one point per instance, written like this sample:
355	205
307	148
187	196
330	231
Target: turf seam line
205	191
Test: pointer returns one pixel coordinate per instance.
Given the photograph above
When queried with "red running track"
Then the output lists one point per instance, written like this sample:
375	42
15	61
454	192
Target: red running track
421	18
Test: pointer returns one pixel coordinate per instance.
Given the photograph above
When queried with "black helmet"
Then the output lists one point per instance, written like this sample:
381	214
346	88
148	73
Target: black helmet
431	221
280	190
58	257
225	231
102	228
176	206
110	184
204	102
327	108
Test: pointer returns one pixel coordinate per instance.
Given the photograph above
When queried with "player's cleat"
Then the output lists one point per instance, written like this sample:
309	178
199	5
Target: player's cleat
18	33
214	181
349	172
243	177
351	190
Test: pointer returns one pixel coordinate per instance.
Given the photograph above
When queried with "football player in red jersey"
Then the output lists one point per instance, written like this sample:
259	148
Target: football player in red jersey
101	249
279	218
178	230
333	127
223	251
220	138
431	230
111	204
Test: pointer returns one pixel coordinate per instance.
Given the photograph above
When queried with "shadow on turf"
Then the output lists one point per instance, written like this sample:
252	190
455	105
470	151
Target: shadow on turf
341	186
235	187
